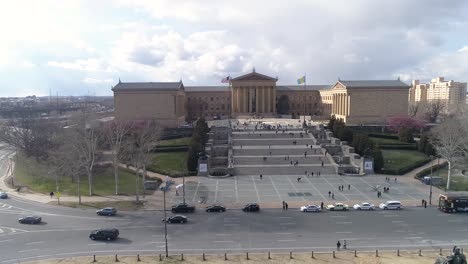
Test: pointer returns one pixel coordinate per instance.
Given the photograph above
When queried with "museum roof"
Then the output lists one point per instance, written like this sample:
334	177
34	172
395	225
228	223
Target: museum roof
302	88
207	88
373	83
148	86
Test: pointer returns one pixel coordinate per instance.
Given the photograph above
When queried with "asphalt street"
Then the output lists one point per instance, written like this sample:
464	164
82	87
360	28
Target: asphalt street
65	231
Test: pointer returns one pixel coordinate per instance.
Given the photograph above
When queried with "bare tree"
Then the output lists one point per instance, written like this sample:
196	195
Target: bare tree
449	140
143	138
433	110
32	136
84	139
115	133
413	109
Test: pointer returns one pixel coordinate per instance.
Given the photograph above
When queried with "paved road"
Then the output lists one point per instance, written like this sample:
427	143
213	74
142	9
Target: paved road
65	231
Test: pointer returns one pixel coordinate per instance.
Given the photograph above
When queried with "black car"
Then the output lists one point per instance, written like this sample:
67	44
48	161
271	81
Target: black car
183	208
109	211
30	220
216	208
104	234
182	219
251	207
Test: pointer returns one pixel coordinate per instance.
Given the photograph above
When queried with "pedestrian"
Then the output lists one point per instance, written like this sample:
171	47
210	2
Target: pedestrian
333	196
338	245
422	202
378	194
312	174
329	194
321	205
342	187
349	187
270	153
305	172
261	176
291	162
269	146
51	195
425	204
298	179
286	206
395	180
322	163
344	244
319	173
388	189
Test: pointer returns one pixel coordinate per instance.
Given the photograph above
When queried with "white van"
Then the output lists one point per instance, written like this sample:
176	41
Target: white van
391	205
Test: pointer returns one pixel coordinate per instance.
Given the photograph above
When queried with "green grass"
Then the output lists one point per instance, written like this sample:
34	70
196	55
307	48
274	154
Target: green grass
169	163
35	175
175	142
458	183
387	141
119	205
395	159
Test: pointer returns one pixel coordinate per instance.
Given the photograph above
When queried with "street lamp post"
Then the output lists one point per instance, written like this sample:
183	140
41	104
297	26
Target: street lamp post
183	186
430	182
165	222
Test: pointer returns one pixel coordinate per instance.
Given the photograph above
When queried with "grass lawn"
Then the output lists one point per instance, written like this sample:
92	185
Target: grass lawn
387	141
169	163
458	183
119	205
35	176
175	142
395	159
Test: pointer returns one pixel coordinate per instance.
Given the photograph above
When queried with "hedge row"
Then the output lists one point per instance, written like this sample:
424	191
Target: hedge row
403	170
171	149
383	136
427	171
402	147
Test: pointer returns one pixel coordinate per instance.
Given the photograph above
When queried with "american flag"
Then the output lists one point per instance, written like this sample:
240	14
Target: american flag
226	80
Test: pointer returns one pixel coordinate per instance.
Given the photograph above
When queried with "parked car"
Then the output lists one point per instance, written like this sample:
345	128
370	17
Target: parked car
109	211
3	195
311	208
216	208
251	207
183	208
364	206
337	207
181	219
30	220
391	205
104	234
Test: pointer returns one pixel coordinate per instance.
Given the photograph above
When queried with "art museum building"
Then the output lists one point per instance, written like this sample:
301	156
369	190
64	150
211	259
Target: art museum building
255	94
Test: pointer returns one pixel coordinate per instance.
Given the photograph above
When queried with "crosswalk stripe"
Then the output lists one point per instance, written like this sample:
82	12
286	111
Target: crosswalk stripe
1	230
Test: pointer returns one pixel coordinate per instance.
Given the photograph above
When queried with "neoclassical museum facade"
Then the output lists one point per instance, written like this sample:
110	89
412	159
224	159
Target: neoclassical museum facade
255	94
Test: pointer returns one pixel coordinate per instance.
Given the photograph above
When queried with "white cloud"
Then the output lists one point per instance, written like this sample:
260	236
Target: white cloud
89	80
91	65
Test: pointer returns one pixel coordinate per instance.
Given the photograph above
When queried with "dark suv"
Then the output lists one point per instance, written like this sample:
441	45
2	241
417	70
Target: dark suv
251	207
104	234
183	208
109	211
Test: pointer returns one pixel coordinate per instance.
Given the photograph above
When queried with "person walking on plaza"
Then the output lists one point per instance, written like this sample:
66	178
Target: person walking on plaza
329	194
261	176
349	187
395	180
51	195
344	244
322	163
299	179
321	205
333	196
338	245
284	205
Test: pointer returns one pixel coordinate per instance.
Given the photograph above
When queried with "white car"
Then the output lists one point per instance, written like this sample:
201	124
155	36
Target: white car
364	206
310	208
391	205
337	207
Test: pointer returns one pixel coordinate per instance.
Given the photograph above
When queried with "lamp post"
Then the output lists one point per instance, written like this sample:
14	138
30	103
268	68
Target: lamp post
165	222
430	182
183	186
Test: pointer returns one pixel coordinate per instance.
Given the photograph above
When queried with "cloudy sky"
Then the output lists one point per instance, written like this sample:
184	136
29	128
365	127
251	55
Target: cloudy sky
84	47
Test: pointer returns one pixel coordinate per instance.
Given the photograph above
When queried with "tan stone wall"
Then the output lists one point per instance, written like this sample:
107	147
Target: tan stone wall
208	104
166	107
375	106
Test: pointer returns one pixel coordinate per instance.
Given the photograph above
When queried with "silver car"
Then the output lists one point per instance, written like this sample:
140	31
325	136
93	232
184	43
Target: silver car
3	195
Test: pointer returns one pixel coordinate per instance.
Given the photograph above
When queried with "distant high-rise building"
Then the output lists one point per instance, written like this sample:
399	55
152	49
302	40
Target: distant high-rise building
452	94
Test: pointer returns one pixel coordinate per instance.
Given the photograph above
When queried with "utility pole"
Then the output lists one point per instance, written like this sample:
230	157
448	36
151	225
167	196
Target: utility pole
430	181
183	186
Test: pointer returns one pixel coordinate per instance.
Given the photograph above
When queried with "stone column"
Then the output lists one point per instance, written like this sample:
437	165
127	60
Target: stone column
274	99
349	105
257	101
246	99
233	99
262	100
333	104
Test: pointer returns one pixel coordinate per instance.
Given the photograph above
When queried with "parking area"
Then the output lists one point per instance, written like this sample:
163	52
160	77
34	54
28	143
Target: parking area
277	188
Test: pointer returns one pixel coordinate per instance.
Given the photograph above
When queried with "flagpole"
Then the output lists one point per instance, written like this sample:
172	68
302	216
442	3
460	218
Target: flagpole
305	84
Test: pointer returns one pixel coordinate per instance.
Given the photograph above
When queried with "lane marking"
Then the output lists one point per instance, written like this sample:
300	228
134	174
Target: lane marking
96	244
27	250
223	234
455	220
344	223
287	223
6	240
338	216
291	240
156	242
231	218
231	224
390	215
345	232
283	233
396	222
223	241
412	237
285	217
32	243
